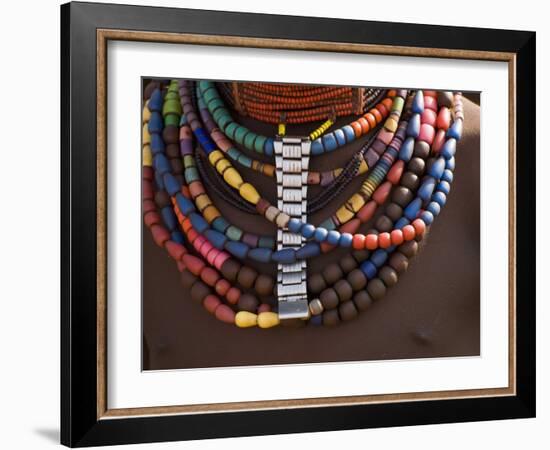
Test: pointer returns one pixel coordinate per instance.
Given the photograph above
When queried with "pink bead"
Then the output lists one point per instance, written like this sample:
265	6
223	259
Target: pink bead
429	116
220	259
212	255
427	133
385	136
429	93
205	248
430	103
438	141
444	118
381	194
197	243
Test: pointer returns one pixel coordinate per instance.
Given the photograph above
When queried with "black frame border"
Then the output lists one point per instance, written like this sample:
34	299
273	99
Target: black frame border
79	423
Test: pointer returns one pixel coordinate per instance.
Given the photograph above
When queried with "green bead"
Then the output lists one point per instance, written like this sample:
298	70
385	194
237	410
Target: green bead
191	175
230	130
398	103
234	233
266	242
259	143
234	153
244	160
171	107
249	140
171	95
171	119
240	134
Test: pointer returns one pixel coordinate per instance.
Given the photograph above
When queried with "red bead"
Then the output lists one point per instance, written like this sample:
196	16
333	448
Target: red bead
175	250
225	314
427	133
233	295
438	141
351	226
193	264
160	234
381	194
397	237
211	303
222	286
147	192
384	240
444	118
419	226
151	218
264	307
428	116
366	212
210	276
147	173
409	232
371	242
358	241
148	206
394	175
430	102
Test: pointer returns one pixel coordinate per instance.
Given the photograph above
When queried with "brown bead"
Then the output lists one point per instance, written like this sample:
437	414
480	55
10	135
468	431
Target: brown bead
445	98
293	323
399	262
344	290
173	151
330	318
347	311
394	211
376	288
362	300
421	149
417	166
150	88
410	180
177	165
229	269
409	249
316	283
248	303
199	291
357	279
246	277
332	273
162	199
348	263
329	298
388	276
264	285
384	223
187	279
361	255
402	196
179	178
170	134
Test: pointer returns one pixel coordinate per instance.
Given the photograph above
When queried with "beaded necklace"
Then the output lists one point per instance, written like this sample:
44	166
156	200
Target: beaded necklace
324	308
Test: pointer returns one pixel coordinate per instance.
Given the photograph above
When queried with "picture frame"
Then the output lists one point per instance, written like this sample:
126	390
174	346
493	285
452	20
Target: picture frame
86	418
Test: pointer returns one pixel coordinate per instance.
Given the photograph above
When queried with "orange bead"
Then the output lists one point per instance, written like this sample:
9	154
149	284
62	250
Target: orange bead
371	242
357	128
409	232
358	241
365	127
419	226
384	240
376	115
371	119
396	237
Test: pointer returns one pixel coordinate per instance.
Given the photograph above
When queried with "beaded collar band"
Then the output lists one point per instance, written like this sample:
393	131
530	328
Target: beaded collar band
407	166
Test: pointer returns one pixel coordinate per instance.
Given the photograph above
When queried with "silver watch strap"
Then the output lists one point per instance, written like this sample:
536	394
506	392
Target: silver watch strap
292	162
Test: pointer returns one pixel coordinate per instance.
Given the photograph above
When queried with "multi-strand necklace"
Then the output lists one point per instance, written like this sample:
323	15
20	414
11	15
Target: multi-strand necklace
190	141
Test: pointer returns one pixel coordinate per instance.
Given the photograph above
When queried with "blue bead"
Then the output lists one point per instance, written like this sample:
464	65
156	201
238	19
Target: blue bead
260	254
418	102
340	137
216	238
447	176
177	236
411	211
156	123
406	150
320	234
413	128
317	147
171	184
310	250
157	144
426	189
369	269
444	187
308	230
237	249
333	237
155	101
427	217
379	257
184	204
169	218
268	147
159	180
294	225
329	142
455	130
284	256
350	134
220	224
450	164
161	164
434	208
198	222
346	240
449	148
401	223
437	168
317	320
440	198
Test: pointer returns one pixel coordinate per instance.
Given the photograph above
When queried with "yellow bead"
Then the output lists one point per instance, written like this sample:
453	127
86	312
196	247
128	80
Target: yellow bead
211	213
232	177
391	124
282	129
146	113
188	161
337	172
249	193
356	202
202	201
214	156
344	215
245	319
268	319
363	167
147	156
146	137
222	165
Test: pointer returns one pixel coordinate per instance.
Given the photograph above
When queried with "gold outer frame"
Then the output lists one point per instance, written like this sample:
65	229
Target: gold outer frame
103	36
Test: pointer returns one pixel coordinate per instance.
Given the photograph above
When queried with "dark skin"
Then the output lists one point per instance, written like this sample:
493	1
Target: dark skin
433	311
